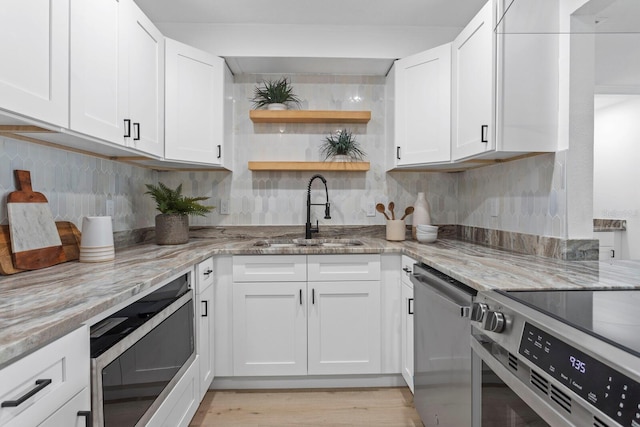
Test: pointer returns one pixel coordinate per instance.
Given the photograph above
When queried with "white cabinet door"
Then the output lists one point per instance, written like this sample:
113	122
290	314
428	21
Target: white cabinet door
75	413
269	328
473	86
145	73
194	105
407	334
344	327
205	341
423	107
34	76
99	83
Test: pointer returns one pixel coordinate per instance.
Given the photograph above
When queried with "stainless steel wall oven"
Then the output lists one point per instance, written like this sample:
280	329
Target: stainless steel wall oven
139	352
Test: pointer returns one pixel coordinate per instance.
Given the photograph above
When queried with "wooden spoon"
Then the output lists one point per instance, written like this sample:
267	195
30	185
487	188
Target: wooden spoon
408	211
391	206
380	208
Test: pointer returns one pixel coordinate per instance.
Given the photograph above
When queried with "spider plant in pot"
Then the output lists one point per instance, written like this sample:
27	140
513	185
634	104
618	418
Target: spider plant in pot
275	95
172	224
341	146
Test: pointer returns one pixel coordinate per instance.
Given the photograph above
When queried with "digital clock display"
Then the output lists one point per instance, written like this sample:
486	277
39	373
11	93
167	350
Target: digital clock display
578	364
610	391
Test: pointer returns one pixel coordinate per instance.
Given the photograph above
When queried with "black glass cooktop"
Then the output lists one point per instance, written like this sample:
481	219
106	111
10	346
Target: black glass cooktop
611	315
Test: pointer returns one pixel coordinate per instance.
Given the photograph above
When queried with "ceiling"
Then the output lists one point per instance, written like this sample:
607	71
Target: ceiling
430	13
391	14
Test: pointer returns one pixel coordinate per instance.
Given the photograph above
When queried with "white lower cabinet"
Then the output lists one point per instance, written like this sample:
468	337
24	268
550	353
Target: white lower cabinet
205	323
74	413
269	328
45	386
407	322
307	327
344	328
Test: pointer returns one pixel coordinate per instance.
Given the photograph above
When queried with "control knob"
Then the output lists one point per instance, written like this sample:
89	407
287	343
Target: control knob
495	322
478	311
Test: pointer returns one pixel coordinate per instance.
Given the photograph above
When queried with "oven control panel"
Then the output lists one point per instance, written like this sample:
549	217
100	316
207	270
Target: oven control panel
611	392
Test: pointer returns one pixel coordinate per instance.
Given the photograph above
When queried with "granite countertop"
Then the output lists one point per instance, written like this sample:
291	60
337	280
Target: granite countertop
40	306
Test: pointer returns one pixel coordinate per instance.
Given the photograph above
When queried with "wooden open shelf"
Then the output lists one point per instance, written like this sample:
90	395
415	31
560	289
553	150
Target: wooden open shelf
309	116
310	166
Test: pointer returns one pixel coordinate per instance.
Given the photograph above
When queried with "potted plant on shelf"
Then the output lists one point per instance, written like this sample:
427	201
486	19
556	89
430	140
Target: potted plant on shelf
275	95
341	146
172	224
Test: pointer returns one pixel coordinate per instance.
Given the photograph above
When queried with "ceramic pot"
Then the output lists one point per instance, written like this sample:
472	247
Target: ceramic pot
172	229
421	214
276	106
340	158
396	230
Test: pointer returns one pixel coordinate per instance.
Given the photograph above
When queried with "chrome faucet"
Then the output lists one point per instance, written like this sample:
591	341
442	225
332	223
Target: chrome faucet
327	215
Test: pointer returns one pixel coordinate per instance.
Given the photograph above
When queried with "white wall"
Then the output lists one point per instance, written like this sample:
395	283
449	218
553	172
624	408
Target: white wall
616	166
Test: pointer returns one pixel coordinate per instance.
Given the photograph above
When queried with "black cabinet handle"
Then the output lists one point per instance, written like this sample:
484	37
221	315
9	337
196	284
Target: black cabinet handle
206	309
136	131
410	306
127	128
313	296
207	272
88	420
483	133
40	384
398	152
300	296
219	151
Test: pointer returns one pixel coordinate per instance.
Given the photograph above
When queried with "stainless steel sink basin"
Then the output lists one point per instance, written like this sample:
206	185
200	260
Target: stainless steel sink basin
296	243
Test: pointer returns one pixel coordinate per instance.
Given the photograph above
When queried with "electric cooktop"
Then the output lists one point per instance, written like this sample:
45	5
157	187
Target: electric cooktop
610	315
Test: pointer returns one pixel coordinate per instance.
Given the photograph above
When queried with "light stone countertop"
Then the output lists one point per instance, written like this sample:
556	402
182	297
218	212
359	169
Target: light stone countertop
40	306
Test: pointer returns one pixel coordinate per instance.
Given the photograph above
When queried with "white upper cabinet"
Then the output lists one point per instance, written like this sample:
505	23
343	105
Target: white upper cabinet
146	83
423	107
198	113
117	75
99	101
473	63
505	90
34	76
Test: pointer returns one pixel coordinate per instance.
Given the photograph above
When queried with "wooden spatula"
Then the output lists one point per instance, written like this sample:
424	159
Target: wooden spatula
35	242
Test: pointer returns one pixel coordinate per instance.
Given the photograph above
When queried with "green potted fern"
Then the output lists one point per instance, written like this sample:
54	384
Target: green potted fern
172	224
341	146
274	95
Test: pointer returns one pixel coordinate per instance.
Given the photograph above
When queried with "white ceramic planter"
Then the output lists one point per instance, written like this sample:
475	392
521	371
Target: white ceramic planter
276	106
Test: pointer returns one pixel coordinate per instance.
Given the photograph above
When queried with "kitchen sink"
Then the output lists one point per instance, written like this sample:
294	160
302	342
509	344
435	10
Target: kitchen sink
297	243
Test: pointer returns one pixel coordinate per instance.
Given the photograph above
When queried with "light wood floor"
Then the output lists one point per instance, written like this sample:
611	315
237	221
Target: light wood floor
389	407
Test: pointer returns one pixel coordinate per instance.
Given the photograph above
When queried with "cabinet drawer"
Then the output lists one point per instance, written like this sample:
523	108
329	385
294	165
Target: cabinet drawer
65	363
270	268
344	267
204	272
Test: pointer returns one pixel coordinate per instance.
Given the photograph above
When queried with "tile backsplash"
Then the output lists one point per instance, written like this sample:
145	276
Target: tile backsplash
77	185
525	196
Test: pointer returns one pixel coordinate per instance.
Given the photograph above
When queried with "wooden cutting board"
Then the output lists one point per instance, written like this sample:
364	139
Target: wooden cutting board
69	235
35	241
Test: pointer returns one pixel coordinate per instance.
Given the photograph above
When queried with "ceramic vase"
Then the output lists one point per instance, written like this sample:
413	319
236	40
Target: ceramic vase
421	214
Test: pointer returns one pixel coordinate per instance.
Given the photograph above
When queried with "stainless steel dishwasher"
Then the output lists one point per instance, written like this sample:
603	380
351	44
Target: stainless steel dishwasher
442	348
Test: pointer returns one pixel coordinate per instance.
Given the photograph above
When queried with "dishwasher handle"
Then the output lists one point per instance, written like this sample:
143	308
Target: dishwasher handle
463	308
